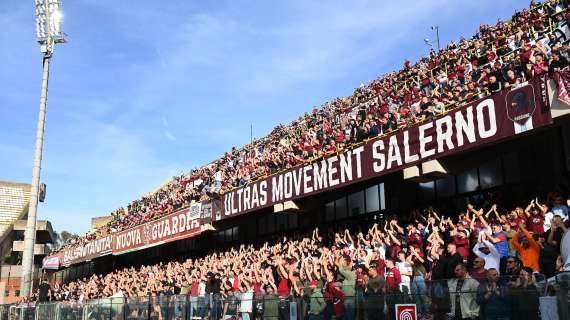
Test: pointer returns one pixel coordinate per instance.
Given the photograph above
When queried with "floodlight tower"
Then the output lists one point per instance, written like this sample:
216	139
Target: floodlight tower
436	29
49	21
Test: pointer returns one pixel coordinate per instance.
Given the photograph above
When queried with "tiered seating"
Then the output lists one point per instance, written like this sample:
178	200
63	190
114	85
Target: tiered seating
505	55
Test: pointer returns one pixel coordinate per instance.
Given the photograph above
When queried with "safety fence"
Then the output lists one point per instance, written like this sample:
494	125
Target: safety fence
505	298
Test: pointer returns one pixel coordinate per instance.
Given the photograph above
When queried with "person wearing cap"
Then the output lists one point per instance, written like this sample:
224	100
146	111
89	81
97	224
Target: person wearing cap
317	302
485	250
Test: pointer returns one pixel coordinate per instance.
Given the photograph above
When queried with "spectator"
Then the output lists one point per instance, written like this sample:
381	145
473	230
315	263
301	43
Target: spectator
478	272
270	302
535	218
374	293
463	294
499	240
453	260
509	234
317	303
406	272
419	272
348	286
550	249
512	268
501	56
44	291
485	250
494	298
338	300
560	209
527	247
393	281
525	296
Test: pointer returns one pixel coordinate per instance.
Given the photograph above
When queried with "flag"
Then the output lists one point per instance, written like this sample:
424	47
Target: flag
562	79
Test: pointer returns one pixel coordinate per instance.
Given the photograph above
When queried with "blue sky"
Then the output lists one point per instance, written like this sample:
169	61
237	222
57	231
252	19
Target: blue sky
145	90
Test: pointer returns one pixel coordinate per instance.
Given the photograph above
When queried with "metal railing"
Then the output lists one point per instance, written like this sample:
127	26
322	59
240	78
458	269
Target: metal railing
437	299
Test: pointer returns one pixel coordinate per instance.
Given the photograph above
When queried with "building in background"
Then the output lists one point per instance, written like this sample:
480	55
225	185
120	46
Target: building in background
14	201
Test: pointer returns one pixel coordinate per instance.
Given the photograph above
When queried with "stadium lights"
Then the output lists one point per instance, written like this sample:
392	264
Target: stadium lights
436	29
428	42
49	22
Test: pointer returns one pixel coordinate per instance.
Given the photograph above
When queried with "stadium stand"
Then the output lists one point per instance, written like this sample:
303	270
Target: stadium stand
490	259
502	56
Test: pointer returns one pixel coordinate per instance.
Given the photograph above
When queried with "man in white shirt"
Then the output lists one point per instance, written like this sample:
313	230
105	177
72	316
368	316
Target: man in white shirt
406	270
487	251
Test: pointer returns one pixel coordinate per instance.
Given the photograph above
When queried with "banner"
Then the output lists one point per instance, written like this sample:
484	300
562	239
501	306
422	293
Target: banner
488	120
195	210
406	312
206	214
562	79
179	225
51	262
86	252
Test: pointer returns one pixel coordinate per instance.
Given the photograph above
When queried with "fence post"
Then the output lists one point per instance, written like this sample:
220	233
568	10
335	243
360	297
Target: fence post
187	308
167	311
149	308
562	297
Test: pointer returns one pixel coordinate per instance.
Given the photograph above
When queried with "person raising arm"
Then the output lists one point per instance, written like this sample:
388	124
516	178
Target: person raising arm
527	247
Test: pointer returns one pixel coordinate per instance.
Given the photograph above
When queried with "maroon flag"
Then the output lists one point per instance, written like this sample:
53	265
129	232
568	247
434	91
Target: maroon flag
562	79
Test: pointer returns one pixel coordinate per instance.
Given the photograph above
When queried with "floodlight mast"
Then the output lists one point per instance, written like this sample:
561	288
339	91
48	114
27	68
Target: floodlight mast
49	20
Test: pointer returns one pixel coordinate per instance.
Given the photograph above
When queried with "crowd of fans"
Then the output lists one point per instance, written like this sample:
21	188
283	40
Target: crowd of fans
496	57
480	263
483	263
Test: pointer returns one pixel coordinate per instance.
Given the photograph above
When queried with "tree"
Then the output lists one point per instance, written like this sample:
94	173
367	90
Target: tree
63	238
66	236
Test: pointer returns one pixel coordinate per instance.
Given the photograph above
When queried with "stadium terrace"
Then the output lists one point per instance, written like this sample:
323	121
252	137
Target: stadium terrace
437	191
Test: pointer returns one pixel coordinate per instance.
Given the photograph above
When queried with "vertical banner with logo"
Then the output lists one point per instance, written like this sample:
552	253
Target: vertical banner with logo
206	215
406	312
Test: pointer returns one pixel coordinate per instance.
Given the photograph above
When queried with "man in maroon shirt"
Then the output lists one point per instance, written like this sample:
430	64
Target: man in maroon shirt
414	239
393	280
461	241
478	272
519	218
393	277
535	219
334	289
